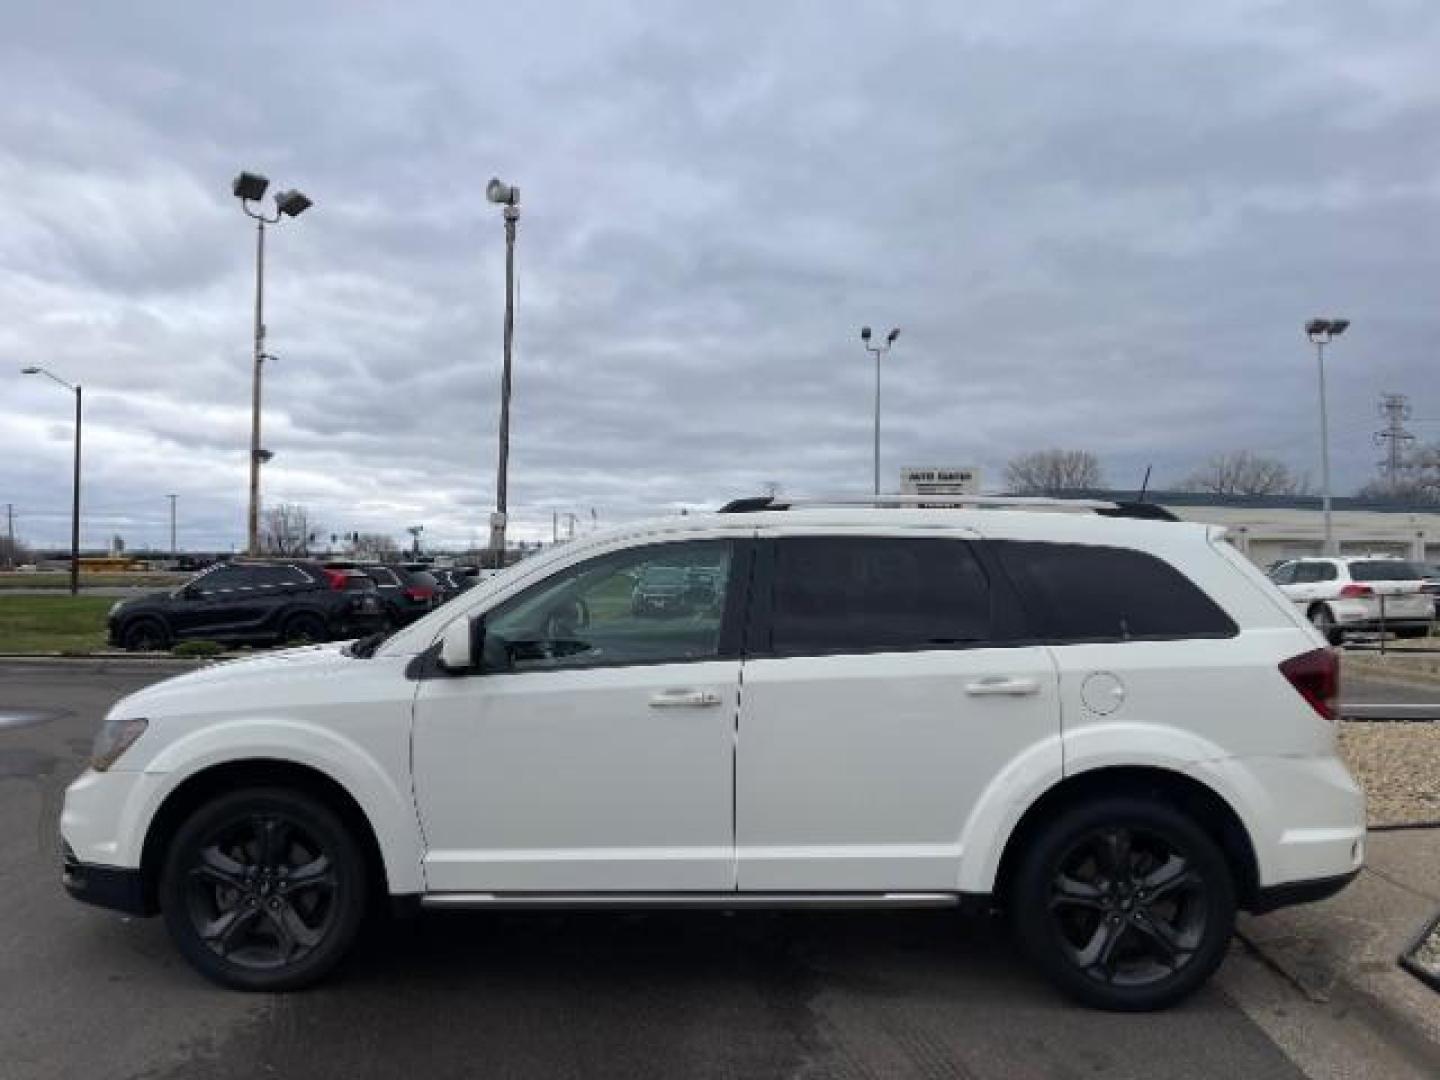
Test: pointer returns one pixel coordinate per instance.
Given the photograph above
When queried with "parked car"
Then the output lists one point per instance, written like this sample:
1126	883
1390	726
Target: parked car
1346	593
899	740
661	590
405	595
247	602
453	580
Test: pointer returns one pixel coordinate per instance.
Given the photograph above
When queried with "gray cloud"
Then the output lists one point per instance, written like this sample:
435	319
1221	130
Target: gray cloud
1100	225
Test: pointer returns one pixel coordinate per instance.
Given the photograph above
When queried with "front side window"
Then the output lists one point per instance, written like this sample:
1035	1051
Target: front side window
1080	592
660	604
875	594
1284	575
223	579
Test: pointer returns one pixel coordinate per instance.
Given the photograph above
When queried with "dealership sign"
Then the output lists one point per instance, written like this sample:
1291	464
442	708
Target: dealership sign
940	482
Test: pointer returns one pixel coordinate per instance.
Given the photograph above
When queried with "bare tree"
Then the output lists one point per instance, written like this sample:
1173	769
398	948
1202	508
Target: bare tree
1418	480
286	529
1051	472
376	546
1241	472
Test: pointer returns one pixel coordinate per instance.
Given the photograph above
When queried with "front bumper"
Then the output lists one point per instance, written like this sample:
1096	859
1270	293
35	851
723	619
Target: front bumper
114	887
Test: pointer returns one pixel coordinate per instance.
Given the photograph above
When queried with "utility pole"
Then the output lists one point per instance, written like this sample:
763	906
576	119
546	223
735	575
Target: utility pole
173	553
10	533
1394	410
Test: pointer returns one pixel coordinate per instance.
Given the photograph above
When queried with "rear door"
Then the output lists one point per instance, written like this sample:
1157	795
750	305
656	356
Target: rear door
885	687
222	604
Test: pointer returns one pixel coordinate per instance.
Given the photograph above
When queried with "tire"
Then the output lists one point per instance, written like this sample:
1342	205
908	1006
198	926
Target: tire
1323	621
145	635
1133	941
305	896
304	626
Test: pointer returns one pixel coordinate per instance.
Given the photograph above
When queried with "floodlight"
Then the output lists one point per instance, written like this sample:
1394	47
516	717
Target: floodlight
1338	326
292	203
890	338
250	186
864	333
498	192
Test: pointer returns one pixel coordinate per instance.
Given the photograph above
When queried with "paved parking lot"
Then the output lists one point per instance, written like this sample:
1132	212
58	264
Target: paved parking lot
86	993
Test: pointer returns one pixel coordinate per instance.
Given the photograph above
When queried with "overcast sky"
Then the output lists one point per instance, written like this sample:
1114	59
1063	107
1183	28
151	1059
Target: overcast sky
1100	226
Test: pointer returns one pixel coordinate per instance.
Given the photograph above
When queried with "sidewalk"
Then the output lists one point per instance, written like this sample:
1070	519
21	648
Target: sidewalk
1342	952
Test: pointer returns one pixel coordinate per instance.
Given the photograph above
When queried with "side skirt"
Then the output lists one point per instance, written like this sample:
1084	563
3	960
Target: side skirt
660	901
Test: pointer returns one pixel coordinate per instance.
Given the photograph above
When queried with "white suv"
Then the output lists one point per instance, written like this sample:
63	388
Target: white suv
1115	729
1366	592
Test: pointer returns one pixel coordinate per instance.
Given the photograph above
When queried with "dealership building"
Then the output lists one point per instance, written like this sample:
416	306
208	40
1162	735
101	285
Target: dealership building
1269	528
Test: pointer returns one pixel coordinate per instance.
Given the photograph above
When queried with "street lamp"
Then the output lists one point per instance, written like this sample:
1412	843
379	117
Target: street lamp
508	197
879	351
1321	332
250	188
75	483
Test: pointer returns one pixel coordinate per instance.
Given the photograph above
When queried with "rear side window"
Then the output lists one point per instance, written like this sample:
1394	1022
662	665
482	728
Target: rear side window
876	594
1080	592
1310	572
1385	570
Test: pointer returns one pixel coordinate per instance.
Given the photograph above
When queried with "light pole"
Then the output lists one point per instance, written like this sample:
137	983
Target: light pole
75	483
1321	332
879	351
508	197
250	188
173	553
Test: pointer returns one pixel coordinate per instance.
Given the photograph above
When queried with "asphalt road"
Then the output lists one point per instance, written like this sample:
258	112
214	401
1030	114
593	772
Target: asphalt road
927	994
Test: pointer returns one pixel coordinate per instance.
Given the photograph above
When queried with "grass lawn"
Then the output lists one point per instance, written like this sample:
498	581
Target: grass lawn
38	624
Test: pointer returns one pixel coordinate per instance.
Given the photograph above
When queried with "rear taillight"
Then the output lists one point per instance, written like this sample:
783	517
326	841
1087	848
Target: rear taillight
418	594
1316	676
1355	592
336	580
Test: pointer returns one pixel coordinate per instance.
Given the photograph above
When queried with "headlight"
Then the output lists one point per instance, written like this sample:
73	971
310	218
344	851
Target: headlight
115	737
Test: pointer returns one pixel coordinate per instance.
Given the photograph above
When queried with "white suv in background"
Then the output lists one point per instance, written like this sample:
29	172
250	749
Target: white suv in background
1114	729
1363	592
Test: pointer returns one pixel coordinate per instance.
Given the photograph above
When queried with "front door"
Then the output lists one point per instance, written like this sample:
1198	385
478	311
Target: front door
596	753
888	689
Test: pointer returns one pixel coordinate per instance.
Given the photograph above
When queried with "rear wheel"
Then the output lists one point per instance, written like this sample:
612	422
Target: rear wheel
304	627
1323	621
263	889
145	635
1125	903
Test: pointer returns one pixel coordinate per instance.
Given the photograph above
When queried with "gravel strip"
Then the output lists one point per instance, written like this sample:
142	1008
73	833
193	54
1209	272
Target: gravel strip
1398	765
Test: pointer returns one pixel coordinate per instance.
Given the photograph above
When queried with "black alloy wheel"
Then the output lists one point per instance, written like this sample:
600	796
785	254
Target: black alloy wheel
145	635
305	628
263	889
1126	903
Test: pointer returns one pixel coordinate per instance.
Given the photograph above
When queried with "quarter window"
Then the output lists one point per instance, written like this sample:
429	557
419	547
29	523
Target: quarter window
1081	592
660	604
875	594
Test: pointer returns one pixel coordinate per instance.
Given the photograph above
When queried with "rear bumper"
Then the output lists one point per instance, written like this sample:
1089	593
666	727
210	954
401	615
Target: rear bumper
1274	897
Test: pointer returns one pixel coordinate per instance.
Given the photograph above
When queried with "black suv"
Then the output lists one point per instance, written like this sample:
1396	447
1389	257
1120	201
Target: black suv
250	602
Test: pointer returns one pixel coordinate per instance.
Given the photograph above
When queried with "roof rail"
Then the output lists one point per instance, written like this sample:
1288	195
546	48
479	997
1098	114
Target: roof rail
1107	508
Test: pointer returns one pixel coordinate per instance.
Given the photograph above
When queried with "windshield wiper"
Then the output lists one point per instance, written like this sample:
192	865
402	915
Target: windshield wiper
365	647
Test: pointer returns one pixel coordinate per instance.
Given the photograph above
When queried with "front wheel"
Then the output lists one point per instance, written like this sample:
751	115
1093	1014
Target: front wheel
263	889
1125	903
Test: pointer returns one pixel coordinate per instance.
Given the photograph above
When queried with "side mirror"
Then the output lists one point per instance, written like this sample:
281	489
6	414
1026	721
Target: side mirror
457	646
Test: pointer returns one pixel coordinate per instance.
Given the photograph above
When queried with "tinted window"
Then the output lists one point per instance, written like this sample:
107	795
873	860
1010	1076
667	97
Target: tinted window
1385	570
227	577
1080	592
1310	572
867	594
599	612
1284	575
275	576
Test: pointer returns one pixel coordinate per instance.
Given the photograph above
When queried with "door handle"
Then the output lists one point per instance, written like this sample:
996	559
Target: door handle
1002	684
668	699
